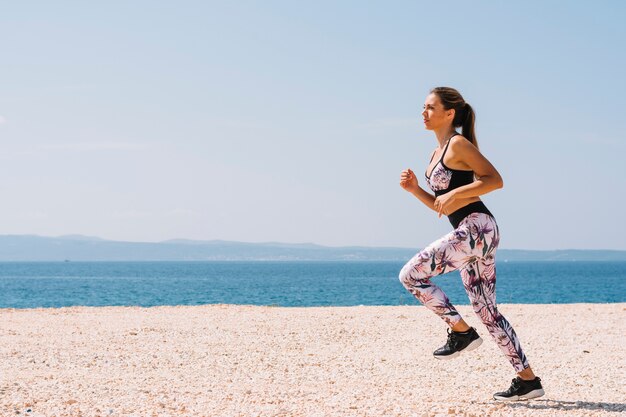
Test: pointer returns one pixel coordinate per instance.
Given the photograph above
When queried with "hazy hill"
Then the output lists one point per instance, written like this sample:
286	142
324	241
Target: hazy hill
86	248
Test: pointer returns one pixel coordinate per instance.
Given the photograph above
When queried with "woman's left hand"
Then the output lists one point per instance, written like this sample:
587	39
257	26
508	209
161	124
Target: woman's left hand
443	202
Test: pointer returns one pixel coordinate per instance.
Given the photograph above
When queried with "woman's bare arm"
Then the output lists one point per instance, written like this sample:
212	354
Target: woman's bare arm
425	197
488	178
408	181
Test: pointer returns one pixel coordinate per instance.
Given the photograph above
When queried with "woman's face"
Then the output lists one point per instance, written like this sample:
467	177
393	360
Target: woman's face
434	115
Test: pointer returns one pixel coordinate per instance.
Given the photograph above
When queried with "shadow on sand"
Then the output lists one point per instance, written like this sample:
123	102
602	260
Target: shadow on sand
547	404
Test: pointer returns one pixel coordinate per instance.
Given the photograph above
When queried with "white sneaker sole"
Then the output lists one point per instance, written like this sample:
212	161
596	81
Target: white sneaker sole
529	396
471	346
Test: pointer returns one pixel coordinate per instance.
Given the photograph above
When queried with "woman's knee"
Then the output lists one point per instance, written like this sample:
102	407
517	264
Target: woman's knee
418	268
411	273
404	275
487	313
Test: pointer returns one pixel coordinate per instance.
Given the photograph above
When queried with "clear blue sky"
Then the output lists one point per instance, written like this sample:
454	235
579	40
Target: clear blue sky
291	121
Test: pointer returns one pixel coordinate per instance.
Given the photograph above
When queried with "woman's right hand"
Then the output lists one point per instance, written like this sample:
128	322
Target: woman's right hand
408	180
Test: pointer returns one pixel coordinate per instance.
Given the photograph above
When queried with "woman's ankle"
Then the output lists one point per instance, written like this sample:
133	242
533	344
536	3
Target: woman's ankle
461	327
527	374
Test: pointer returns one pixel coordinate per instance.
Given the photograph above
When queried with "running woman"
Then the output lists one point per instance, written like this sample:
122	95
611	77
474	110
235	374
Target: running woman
458	174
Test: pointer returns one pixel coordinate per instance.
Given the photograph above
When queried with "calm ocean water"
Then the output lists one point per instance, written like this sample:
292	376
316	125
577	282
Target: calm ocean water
58	284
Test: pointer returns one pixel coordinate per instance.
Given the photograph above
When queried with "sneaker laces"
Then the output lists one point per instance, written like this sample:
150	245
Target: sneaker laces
516	383
515	386
452	339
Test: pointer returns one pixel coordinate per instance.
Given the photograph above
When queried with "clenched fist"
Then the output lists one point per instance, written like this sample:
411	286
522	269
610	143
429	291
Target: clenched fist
408	180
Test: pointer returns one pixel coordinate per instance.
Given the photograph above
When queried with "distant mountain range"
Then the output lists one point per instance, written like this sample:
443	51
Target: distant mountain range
86	248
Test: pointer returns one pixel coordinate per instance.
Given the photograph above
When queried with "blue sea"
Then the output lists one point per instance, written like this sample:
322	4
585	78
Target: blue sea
290	284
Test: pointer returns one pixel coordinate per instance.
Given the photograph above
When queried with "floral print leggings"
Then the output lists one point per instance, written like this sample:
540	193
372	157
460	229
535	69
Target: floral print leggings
471	248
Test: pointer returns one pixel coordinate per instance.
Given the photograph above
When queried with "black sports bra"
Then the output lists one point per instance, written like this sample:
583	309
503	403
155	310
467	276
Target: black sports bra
443	179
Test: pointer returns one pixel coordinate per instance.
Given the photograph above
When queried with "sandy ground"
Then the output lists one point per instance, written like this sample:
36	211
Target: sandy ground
229	360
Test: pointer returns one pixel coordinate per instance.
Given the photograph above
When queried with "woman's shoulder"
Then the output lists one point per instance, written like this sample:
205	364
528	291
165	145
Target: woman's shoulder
460	142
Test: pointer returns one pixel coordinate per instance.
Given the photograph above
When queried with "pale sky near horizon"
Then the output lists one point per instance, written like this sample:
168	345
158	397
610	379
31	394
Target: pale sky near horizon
288	121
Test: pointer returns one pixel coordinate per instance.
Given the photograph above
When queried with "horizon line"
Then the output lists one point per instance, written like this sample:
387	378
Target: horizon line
80	237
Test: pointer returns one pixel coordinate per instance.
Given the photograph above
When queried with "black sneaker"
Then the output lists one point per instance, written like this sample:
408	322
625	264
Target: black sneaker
457	343
521	390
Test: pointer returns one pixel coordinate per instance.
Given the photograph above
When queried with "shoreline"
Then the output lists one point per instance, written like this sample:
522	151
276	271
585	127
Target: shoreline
249	360
5	309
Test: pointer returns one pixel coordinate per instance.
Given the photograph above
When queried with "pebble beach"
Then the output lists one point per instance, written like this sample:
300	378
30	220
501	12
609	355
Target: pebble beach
241	360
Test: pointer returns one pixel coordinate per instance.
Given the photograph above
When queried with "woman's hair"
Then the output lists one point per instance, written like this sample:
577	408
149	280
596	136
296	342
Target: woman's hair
464	115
